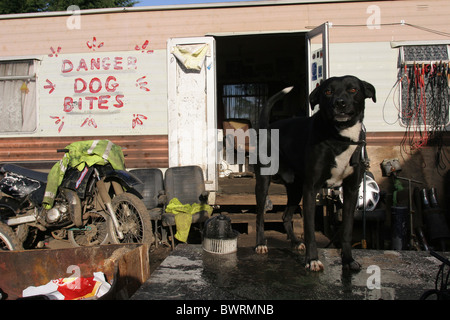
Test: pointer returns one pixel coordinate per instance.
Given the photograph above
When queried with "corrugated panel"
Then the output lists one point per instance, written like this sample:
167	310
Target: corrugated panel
394	138
126	30
384	138
376	63
140	151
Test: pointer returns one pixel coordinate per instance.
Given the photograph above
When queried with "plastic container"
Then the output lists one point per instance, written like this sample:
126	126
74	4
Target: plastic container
219	237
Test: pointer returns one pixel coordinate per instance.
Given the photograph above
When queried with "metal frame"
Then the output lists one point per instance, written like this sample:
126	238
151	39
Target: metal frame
321	30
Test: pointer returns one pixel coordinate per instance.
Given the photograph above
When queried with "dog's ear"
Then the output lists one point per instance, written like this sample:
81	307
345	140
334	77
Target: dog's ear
314	97
369	91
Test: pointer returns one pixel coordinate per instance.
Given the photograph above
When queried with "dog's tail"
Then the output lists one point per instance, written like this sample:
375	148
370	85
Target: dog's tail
265	113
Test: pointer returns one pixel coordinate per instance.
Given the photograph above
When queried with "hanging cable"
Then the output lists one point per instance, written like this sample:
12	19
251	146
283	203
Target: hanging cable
425	108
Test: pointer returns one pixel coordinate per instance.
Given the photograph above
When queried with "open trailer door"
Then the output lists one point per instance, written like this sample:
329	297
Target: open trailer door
317	52
192	111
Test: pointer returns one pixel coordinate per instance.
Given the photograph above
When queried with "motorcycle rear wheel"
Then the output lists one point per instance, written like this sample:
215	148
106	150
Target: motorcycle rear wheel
96	231
8	209
8	239
133	218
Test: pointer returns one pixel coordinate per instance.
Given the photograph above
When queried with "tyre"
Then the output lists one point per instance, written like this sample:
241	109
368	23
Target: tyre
8	239
95	231
8	209
435	294
133	218
430	295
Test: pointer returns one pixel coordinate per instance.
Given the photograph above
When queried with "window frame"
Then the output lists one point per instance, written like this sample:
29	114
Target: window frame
243	94
32	77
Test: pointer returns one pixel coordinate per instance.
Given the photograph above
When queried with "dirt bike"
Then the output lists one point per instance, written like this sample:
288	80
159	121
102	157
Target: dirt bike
94	206
441	289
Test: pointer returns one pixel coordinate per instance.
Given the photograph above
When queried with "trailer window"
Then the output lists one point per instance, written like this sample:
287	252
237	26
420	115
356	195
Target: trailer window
244	101
17	96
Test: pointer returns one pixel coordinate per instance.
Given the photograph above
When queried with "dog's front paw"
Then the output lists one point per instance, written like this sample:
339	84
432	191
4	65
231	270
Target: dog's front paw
261	249
314	265
353	266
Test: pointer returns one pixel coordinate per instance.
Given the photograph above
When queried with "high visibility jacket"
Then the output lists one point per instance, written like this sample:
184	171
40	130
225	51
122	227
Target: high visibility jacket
183	216
80	154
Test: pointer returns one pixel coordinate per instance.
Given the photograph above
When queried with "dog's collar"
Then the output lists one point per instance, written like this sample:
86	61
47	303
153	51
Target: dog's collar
360	142
360	153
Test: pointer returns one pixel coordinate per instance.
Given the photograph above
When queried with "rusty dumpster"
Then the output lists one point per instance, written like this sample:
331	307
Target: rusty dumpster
125	266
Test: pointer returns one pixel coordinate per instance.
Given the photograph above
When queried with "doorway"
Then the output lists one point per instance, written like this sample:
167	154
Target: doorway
251	68
237	75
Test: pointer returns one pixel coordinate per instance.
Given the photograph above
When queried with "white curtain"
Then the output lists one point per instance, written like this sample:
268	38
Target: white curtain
17	97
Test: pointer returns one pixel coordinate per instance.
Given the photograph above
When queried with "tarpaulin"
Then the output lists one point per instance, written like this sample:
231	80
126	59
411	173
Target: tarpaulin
80	154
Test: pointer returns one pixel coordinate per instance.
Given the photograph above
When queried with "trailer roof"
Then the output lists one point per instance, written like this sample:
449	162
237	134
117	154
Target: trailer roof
174	7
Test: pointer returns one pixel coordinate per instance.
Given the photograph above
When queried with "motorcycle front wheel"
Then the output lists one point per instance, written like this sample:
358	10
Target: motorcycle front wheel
94	232
133	218
8	239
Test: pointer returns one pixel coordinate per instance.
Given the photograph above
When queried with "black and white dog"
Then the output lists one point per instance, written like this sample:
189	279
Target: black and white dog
322	151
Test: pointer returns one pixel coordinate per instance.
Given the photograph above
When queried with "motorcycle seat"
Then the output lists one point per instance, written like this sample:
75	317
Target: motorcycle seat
36	175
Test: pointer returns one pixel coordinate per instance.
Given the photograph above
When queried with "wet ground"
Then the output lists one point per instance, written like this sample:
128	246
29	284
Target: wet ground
190	273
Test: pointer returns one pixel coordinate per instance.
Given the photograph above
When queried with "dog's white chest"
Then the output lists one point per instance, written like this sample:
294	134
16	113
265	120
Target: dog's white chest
343	168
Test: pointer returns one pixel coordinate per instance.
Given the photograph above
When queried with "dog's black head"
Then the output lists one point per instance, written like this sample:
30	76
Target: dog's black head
341	99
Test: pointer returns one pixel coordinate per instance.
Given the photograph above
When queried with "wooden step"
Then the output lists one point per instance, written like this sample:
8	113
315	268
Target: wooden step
241	191
271	221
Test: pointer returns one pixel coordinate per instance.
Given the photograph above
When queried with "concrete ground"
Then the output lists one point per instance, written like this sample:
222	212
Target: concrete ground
190	273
